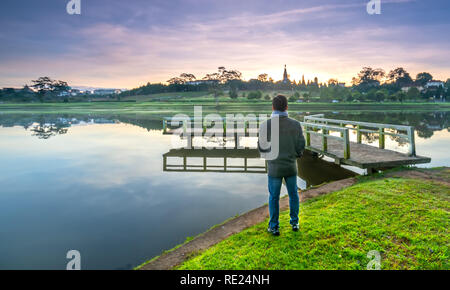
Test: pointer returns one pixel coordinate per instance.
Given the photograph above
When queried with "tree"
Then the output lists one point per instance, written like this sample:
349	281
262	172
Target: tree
326	94
371	95
349	97
332	82
447	83
228	75
380	95
176	81
45	85
294	98
400	77
447	89
263	78
368	78
186	77
219	78
400	96
254	95
182	79
214	87
357	96
339	93
439	93
233	93
60	86
306	97
392	97
413	94
423	78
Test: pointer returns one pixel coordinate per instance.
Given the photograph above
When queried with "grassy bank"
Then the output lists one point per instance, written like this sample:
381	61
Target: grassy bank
406	220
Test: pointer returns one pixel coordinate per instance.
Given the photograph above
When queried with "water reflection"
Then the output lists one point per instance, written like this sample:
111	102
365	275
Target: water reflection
227	160
100	189
45	131
311	169
425	123
315	171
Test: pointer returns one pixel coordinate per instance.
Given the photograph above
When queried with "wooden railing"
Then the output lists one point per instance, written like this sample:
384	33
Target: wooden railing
189	124
314	124
365	127
311	128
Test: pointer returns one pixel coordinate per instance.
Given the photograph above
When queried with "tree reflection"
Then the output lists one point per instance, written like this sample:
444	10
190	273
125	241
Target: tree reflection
45	131
425	123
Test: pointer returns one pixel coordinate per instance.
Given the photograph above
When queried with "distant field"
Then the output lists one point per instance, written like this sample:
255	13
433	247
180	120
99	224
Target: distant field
168	103
167	96
196	96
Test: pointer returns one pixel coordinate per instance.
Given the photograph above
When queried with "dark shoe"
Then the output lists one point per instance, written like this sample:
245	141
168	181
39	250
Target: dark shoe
295	228
275	232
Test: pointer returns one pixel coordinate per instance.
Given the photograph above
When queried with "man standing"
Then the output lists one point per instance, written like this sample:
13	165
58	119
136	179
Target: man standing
282	162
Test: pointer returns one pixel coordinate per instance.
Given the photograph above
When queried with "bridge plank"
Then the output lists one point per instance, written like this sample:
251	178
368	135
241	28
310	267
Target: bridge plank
363	155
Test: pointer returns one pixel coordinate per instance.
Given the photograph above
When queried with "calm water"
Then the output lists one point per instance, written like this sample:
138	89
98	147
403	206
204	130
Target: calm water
97	184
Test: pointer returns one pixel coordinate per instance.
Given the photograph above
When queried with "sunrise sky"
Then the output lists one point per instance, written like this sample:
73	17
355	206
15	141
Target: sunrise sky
125	44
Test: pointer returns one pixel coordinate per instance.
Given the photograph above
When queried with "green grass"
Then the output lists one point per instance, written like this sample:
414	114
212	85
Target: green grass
205	98
144	108
168	108
406	220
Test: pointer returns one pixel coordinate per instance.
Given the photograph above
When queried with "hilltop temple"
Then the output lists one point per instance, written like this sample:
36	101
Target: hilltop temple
285	76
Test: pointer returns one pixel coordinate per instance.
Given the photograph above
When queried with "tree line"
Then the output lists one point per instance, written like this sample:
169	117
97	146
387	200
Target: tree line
373	85
370	85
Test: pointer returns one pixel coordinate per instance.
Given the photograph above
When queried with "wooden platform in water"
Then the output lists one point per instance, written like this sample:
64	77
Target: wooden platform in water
363	155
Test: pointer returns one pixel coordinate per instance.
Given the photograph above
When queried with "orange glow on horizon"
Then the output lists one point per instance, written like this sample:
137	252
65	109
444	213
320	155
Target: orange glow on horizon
295	73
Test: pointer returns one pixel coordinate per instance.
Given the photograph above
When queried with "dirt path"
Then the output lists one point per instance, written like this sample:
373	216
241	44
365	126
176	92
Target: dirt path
440	175
258	215
169	260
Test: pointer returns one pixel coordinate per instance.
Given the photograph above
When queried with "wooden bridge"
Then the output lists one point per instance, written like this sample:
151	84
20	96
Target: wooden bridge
319	138
327	137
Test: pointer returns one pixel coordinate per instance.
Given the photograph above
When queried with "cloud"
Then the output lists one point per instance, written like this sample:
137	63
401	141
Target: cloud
316	41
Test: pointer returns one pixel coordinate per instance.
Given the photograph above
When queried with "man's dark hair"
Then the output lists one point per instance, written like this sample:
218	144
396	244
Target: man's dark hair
280	103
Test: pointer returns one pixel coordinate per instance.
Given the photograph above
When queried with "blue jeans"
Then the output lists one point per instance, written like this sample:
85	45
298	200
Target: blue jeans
274	199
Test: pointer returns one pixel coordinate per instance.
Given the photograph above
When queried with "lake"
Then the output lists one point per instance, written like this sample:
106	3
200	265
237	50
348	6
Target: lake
98	184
